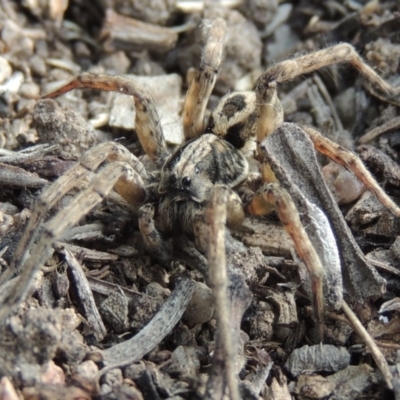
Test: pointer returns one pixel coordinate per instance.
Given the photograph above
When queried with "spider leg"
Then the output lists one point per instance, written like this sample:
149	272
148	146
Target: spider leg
182	216
338	54
234	216
216	218
97	190
267	103
153	240
270	112
273	194
148	125
351	162
235	212
203	82
90	161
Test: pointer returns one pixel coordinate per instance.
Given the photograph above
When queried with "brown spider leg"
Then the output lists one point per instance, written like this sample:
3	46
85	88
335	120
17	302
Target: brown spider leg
270	112
234	217
147	123
216	218
203	82
235	212
97	190
73	177
339	54
153	240
131	189
351	162
269	109
289	216
269	118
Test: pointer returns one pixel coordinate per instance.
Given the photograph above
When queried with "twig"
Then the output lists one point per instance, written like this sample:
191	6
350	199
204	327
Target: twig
83	290
328	99
369	341
106	288
393	123
153	333
22	157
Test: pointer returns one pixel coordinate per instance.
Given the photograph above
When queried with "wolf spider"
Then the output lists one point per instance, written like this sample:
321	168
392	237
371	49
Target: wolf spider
213	155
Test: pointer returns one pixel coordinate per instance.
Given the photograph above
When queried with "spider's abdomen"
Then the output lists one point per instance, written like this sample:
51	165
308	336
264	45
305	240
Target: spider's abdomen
201	163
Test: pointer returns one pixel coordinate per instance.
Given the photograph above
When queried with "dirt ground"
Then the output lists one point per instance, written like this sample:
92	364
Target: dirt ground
89	311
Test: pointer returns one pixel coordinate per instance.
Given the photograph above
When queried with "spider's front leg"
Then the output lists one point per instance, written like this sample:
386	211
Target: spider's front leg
167	223
157	245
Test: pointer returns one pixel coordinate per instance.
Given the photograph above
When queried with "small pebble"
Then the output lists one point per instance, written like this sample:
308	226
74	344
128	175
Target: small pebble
38	65
13	83
5	69
200	308
29	90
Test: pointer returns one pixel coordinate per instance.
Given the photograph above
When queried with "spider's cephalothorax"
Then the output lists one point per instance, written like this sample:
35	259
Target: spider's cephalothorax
192	171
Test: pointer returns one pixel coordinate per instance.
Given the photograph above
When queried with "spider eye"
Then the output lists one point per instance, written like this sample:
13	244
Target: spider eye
186	181
197	170
172	179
